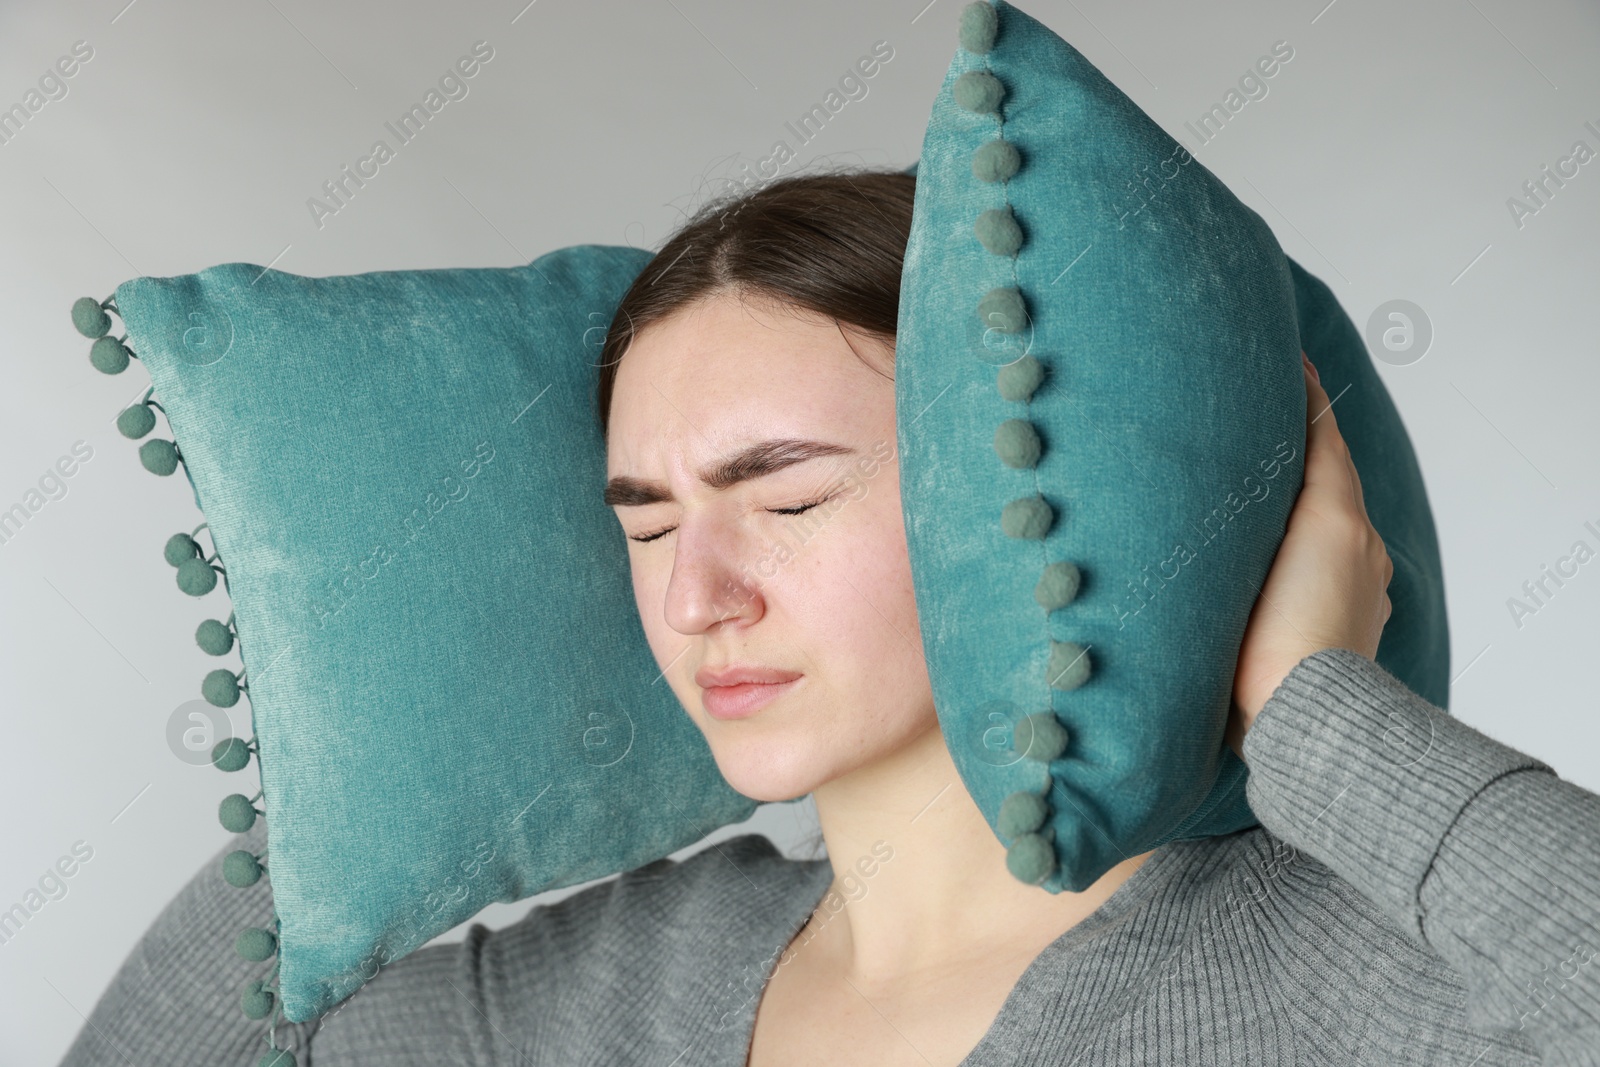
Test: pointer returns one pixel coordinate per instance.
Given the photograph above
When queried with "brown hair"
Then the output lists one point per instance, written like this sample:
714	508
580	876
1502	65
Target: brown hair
831	243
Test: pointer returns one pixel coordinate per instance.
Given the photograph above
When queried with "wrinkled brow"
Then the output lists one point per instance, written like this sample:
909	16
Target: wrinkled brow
754	461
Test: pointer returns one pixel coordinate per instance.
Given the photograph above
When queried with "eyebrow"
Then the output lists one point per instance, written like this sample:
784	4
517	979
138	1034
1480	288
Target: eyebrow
754	461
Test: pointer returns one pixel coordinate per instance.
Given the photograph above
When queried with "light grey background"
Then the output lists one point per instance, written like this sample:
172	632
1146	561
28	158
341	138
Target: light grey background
1383	155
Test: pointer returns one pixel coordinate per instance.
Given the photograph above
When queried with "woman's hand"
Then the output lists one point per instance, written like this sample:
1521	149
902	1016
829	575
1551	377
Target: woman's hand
1327	586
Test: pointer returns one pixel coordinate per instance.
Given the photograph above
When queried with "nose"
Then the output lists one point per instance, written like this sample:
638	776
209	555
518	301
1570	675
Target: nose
714	579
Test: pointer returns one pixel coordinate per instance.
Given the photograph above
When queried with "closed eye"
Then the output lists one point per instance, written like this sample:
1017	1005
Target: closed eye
797	510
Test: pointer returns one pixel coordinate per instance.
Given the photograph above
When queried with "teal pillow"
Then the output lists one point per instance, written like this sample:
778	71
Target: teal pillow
1101	427
451	694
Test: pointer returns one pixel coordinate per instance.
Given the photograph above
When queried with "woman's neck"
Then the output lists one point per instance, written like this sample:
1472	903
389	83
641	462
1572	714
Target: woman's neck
920	881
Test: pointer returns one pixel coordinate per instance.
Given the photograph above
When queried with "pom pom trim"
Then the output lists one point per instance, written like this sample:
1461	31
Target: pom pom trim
197	575
1025	817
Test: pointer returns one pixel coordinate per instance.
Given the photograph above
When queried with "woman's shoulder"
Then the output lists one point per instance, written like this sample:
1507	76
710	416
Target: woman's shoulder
1258	887
745	878
1352	977
642	959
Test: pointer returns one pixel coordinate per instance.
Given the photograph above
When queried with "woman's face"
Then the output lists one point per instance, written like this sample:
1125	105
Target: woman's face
730	582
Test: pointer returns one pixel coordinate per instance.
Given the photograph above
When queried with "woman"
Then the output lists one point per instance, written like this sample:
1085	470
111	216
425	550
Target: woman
1416	893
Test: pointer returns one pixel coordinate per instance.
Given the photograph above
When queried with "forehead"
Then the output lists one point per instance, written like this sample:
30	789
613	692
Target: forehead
722	373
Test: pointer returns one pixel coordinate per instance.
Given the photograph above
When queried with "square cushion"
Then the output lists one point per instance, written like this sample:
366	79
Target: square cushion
452	698
1101	428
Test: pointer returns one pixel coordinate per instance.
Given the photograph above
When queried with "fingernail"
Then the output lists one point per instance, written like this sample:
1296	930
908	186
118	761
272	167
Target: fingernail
1313	367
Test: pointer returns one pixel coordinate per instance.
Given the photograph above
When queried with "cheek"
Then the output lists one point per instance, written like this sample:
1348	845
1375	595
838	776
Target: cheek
857	606
853	585
649	595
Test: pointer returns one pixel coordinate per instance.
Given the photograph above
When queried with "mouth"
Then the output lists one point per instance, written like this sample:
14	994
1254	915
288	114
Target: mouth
744	699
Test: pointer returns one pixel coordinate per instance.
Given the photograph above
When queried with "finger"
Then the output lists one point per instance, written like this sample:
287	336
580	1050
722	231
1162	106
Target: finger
1356	488
1355	482
1326	471
1355	475
1337	471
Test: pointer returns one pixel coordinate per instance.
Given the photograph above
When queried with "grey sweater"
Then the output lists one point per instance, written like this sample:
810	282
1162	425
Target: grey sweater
1417	893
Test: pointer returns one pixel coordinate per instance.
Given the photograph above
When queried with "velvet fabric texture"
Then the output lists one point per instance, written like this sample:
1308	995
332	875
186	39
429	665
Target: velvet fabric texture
451	693
1101	428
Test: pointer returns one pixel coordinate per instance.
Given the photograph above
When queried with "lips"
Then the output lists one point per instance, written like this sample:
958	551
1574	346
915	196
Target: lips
707	678
745	698
736	691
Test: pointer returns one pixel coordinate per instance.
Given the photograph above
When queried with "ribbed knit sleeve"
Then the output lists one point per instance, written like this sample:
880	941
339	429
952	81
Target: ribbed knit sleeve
1475	849
175	999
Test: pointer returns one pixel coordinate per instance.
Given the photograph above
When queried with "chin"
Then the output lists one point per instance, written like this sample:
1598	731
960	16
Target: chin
768	770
